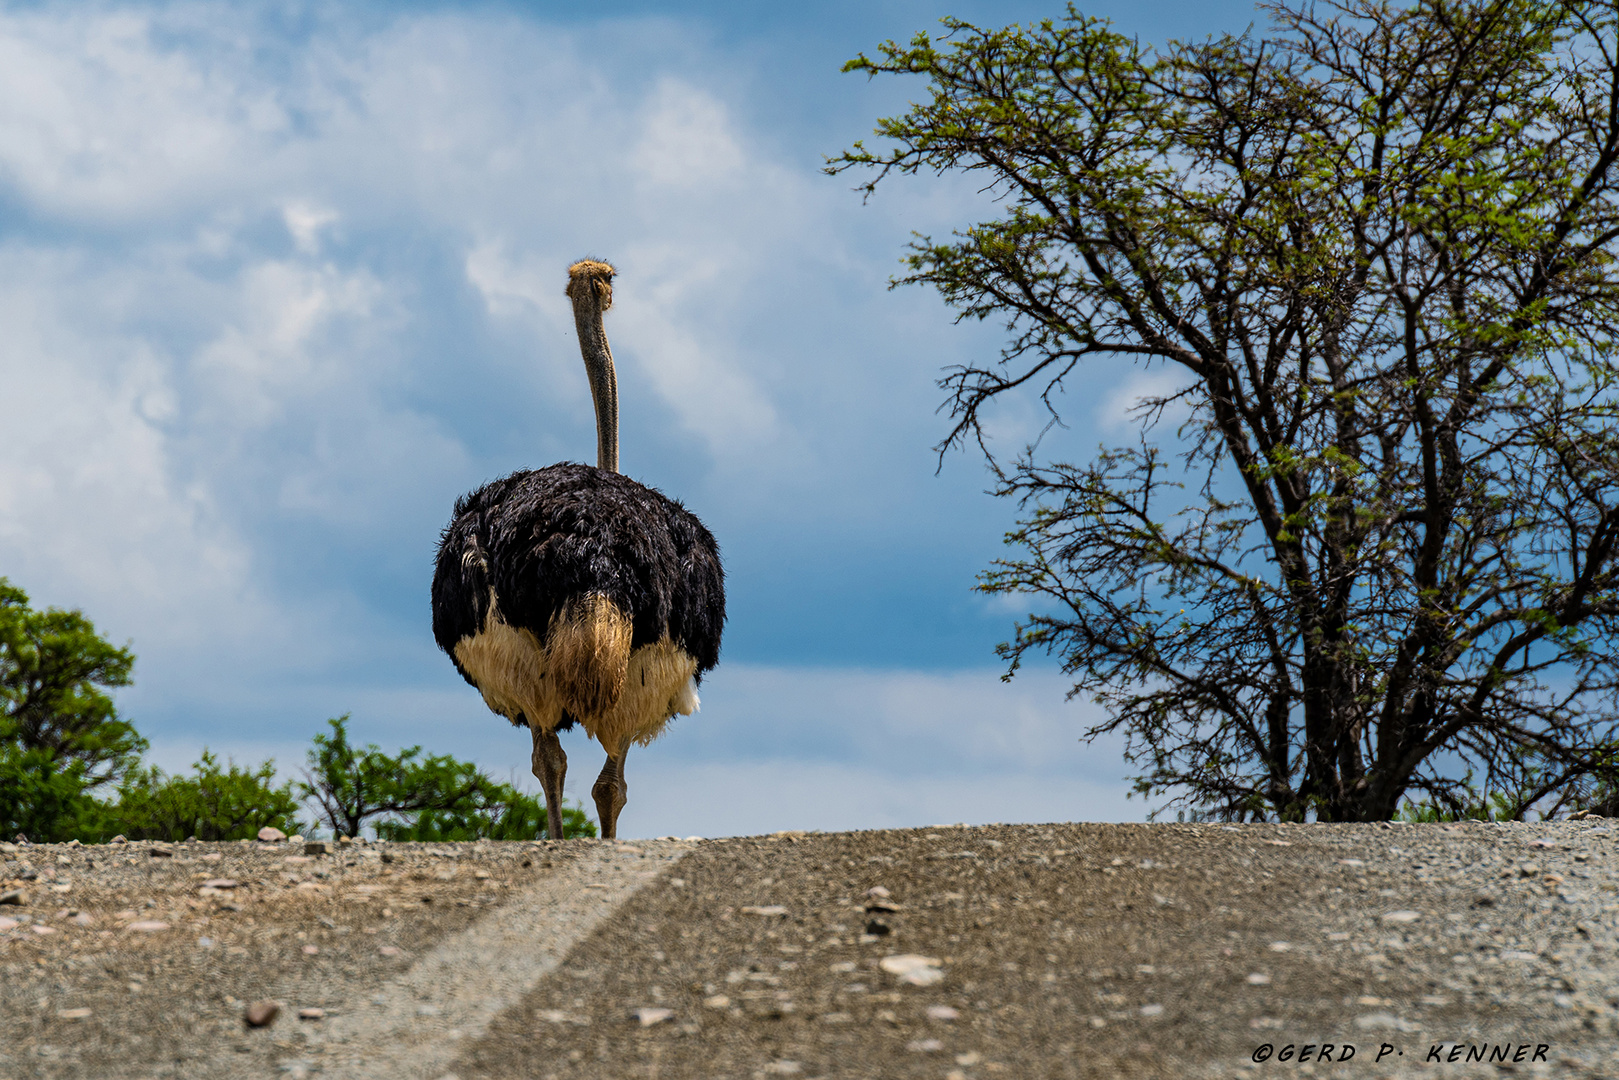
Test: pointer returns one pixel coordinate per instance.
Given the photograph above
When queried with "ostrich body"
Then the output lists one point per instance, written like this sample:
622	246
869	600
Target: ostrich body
573	594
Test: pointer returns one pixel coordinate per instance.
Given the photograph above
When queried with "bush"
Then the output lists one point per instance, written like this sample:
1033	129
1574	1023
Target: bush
42	796
410	797
497	812
232	803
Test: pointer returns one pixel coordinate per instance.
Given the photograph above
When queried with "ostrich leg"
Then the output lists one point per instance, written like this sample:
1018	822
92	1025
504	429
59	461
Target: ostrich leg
610	792
551	767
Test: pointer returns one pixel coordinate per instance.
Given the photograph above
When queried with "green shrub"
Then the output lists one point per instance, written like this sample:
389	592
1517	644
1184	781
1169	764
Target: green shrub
496	812
42	796
407	796
231	803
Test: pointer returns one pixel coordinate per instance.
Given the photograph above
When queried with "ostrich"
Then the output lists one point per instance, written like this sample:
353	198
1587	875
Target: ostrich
573	594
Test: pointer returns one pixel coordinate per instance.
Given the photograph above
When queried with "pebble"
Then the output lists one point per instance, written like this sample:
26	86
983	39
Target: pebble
648	1017
1401	916
718	1001
261	1013
1258	978
311	1014
219	883
913	969
160	852
38	929
784	1068
14	897
765	909
1152	1010
8	924
924	1046
311	950
389	950
74	1014
271	835
149	926
943	1012
316	847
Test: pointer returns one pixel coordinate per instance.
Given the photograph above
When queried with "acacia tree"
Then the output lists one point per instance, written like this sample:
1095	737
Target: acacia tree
1377	242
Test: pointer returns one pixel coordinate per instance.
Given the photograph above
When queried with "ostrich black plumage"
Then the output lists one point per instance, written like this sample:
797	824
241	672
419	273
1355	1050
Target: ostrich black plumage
573	594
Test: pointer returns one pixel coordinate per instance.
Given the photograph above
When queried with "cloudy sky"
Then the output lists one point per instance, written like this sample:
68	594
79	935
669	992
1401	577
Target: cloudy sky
279	281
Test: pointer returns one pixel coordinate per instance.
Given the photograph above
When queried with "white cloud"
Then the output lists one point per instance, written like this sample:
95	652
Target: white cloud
306	222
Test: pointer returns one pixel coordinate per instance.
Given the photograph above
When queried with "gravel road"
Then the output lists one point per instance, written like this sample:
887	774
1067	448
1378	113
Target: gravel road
954	953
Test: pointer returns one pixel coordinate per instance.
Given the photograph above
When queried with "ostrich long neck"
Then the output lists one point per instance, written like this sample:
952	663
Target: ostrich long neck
588	305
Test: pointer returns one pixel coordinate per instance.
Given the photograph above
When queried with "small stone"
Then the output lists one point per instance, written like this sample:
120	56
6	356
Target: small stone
878	928
883	907
1259	978
718	1001
943	1012
205	942
261	1013
1401	916
148	926
311	1014
160	852
924	1046
84	918
8	924
271	835
119	839
38	929
783	1068
1152	1010
389	950
295	838
316	847
912	969
765	909
1281	946
74	1014
1529	869
969	1059
219	883
878	892
311	950
15	897
648	1017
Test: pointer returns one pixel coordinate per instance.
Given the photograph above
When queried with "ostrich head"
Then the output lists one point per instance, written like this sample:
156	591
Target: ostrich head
590	287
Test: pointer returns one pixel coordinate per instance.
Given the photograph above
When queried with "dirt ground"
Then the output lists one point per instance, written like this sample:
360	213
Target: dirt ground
954	953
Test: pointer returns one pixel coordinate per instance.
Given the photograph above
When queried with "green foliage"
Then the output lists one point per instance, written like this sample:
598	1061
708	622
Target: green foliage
498	812
214	803
42	797
409	796
60	734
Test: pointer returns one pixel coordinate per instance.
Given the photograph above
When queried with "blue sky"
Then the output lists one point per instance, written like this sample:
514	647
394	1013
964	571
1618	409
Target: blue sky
279	282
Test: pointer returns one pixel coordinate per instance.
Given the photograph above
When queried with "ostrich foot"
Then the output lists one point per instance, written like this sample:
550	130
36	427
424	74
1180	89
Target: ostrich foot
611	793
551	767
